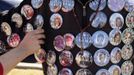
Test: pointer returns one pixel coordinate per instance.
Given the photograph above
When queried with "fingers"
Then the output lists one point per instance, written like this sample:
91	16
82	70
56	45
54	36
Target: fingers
41	42
38	31
40	36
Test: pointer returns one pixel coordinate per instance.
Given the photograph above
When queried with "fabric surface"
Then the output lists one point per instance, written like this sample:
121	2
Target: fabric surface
1	69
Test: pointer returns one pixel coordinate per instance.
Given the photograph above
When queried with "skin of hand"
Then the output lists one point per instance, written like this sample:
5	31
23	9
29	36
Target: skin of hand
32	41
29	45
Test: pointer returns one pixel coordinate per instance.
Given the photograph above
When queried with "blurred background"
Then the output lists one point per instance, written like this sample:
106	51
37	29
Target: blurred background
8	4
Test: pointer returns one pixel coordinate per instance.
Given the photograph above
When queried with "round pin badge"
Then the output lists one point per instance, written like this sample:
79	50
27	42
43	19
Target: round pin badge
116	5
28	28
83	72
115	70
100	39
56	21
84	59
115	37
5	27
40	56
127	52
94	5
13	40
116	55
39	21
16	17
66	58
99	21
55	5
68	5
52	70
128	36
129	5
2	47
130	20
37	3
51	57
59	43
116	21
27	11
127	68
65	71
83	40
101	57
103	72
69	41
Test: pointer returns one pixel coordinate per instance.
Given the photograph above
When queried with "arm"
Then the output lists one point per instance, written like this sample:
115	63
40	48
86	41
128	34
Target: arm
29	45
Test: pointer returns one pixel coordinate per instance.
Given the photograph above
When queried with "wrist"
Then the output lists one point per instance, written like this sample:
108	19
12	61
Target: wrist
22	50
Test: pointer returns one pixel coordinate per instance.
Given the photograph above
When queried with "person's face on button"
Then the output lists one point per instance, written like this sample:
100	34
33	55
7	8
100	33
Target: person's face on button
103	73
101	57
57	22
100	38
118	22
127	50
131	19
5	28
116	71
69	40
128	35
118	55
29	12
117	37
29	27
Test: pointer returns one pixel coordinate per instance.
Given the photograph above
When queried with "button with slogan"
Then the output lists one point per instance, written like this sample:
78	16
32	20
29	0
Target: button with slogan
101	57
66	58
51	57
68	5
116	21
16	17
59	43
100	39
127	68
13	40
84	59
52	70
94	4
127	52
65	71
83	40
83	72
103	72
27	11
99	21
116	5
55	5
5	27
115	37
56	21
115	70
37	3
40	56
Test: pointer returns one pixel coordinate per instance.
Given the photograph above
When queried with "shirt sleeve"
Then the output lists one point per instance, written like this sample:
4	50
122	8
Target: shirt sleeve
1	69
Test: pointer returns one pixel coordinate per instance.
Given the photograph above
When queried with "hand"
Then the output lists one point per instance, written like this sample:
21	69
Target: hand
32	41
